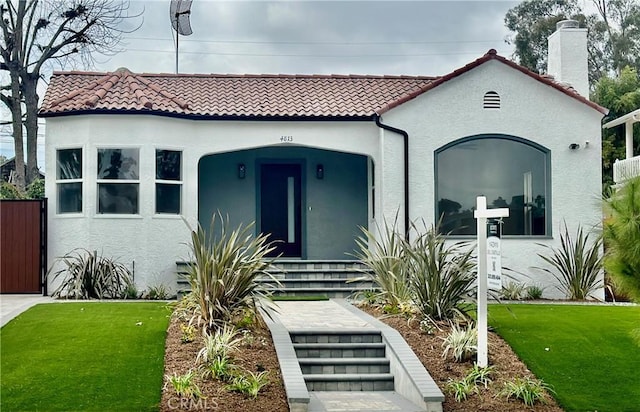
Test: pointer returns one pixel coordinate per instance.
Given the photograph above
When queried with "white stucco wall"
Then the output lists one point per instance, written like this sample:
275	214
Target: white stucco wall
156	242
530	110
453	110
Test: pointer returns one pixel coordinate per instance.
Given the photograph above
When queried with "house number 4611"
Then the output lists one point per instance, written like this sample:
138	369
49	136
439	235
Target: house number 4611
286	139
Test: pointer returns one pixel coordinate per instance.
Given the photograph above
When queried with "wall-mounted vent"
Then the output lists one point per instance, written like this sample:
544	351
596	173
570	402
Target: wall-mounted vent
491	100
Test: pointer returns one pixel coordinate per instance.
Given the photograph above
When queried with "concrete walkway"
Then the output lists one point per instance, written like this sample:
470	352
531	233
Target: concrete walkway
13	305
336	315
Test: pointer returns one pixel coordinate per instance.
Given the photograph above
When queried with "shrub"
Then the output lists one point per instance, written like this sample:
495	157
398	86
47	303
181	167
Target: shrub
576	265
188	333
527	390
158	292
442	277
387	263
89	275
249	384
9	191
534	292
468	385
462	342
130	291
219	344
512	291
622	237
184	385
35	190
225	271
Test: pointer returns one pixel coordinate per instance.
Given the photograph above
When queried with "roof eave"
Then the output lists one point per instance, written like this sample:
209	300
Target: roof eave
360	117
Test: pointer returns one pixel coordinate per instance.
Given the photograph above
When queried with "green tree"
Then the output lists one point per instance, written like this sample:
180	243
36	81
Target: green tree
39	32
622	238
621	95
613	33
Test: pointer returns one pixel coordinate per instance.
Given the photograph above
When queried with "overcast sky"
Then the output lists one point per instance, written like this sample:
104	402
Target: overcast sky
316	37
309	37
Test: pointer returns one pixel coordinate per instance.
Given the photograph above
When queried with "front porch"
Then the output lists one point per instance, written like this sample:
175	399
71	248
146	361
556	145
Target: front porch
629	167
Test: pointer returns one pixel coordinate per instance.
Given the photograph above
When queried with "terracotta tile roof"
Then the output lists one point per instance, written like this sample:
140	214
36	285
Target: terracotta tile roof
225	95
251	96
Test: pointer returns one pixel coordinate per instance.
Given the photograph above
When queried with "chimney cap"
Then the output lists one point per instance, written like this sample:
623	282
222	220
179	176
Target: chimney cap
567	24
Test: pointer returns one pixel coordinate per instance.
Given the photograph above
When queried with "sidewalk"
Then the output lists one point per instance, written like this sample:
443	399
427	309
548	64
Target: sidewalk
13	305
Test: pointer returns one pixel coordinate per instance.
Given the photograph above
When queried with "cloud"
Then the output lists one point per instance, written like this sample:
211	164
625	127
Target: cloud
365	37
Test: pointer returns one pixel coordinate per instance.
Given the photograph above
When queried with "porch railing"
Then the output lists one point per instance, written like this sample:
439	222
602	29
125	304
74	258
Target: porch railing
626	169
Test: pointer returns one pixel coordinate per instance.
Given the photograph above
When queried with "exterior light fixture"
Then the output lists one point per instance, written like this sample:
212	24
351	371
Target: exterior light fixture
320	171
242	171
574	146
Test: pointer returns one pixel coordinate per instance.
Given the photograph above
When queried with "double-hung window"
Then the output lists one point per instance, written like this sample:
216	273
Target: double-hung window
118	181
168	181
69	180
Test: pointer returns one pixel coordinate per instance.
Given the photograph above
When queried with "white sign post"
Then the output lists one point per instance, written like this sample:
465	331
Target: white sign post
481	214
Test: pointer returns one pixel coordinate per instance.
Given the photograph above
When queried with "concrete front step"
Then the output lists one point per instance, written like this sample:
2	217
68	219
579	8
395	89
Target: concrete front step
333	279
349	382
313	366
335	336
339	350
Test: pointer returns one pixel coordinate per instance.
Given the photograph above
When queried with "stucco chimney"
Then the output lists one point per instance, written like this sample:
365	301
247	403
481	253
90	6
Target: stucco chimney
568	56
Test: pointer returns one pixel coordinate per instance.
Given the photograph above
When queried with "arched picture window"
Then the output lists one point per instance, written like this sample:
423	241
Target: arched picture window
511	172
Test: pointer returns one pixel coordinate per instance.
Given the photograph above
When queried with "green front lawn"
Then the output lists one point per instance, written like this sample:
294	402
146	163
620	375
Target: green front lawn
588	354
84	356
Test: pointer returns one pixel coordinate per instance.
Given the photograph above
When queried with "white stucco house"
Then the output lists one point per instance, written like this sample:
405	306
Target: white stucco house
311	158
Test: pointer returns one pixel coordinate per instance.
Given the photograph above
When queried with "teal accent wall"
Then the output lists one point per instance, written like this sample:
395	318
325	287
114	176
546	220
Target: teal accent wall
333	208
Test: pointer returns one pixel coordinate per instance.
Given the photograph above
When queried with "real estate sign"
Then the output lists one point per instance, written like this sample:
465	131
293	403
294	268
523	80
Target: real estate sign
494	261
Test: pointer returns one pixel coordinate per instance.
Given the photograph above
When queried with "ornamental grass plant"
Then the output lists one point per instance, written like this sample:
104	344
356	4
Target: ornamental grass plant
576	264
225	270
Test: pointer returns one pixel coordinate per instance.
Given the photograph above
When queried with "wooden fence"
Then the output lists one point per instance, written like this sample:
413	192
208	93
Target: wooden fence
23	246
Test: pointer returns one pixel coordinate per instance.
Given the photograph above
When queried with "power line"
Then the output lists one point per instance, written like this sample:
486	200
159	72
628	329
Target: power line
315	55
320	43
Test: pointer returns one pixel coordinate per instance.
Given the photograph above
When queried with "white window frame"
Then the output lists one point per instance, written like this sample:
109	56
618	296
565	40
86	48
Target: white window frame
100	181
170	182
80	180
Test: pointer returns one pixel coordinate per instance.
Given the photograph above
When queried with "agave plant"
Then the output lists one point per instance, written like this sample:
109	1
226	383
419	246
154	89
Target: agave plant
387	263
88	275
442	276
576	265
225	271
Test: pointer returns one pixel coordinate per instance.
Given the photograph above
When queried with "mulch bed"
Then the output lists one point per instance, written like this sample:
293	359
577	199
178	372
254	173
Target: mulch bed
260	355
180	358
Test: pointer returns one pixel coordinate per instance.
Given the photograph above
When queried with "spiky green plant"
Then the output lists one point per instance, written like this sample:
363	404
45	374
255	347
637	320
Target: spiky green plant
576	265
219	344
442	276
527	390
184	385
622	238
225	269
87	275
249	384
462	342
512	290
387	262
461	389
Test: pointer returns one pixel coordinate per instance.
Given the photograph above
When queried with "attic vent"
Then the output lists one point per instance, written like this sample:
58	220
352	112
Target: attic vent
491	100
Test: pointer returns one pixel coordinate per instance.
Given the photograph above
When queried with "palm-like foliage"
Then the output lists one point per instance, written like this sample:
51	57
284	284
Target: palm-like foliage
387	261
427	274
576	265
88	275
225	269
622	238
442	276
